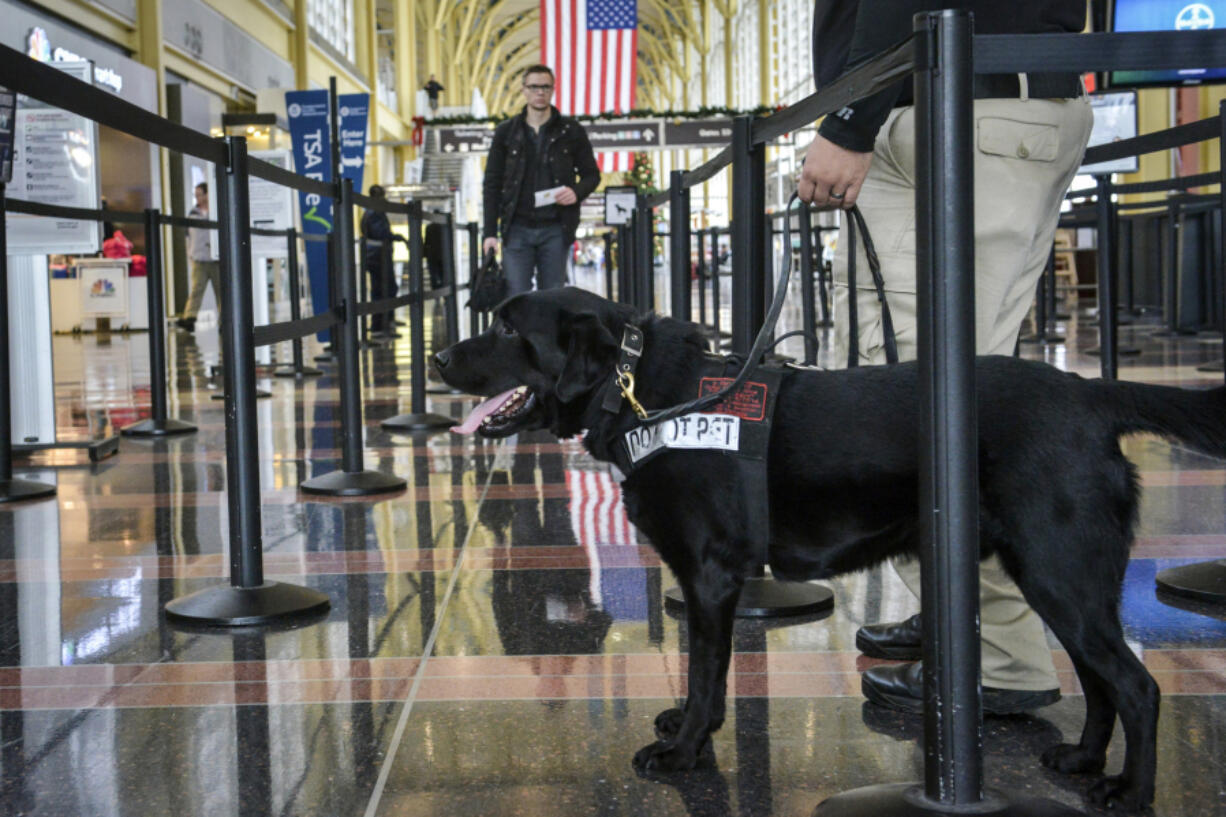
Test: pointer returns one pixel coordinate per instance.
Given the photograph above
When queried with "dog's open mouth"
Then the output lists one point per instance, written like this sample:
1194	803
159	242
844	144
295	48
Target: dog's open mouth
500	415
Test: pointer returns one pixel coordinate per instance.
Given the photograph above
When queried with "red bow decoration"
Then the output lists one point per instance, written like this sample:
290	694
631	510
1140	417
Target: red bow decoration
419	131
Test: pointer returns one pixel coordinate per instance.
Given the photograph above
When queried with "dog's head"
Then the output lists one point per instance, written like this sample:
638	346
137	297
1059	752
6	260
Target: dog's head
540	362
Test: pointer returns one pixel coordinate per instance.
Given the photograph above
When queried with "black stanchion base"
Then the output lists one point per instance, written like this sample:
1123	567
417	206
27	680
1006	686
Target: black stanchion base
327	360
229	606
907	800
1203	581
305	371
260	394
1215	366
1123	351
353	483
16	490
157	428
428	421
765	597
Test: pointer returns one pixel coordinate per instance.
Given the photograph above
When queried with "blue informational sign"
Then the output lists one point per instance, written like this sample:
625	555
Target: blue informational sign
1168	15
312	142
310	135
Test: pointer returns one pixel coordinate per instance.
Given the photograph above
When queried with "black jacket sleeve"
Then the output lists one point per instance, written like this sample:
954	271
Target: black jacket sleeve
491	188
881	24
585	166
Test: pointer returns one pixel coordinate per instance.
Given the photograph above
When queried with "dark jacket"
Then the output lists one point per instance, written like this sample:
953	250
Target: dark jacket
571	162
875	25
375	227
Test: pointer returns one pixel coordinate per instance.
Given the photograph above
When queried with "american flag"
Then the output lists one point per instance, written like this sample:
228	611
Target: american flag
592	47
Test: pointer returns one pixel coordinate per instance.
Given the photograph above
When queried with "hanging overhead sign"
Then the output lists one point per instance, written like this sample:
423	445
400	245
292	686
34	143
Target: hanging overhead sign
606	135
472	139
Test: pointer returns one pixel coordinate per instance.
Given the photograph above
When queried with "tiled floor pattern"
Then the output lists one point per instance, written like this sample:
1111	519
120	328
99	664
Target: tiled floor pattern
497	643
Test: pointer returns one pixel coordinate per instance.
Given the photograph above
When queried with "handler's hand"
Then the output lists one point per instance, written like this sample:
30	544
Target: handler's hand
566	196
489	245
832	176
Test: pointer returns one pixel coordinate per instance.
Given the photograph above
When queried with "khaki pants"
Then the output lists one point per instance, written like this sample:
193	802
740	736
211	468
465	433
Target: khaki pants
1028	151
202	273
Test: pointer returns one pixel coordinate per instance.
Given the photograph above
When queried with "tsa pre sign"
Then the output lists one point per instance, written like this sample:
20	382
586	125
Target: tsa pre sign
307	112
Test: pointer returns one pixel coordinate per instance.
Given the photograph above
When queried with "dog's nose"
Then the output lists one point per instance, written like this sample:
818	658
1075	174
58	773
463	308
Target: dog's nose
442	359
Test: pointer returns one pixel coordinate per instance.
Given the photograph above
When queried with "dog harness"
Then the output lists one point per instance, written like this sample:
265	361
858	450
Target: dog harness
738	426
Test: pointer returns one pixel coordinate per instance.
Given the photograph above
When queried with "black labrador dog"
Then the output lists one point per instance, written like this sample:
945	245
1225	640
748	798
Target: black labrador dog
1058	500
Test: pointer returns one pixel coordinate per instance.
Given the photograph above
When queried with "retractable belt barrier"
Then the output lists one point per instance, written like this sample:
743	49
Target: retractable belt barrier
249	598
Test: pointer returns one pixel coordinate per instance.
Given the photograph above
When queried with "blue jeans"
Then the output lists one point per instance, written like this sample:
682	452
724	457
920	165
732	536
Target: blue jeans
542	249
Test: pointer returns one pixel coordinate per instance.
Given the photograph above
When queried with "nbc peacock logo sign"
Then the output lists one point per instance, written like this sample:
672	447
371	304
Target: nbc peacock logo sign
102	288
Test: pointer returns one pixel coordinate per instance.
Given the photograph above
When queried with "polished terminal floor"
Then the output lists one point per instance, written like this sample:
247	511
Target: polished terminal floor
496	643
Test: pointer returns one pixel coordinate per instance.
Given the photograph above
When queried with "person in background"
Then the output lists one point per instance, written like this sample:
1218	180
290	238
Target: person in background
432	87
377	230
1031	133
205	269
540	167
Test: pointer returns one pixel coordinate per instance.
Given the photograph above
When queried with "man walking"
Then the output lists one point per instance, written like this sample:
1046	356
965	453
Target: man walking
205	268
540	167
432	87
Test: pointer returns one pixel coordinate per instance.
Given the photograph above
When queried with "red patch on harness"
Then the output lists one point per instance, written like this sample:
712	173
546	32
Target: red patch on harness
749	403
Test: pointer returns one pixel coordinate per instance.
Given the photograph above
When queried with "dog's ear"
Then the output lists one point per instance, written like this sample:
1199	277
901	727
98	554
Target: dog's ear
589	344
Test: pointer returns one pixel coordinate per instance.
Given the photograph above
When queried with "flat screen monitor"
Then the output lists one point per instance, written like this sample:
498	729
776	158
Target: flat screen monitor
1167	15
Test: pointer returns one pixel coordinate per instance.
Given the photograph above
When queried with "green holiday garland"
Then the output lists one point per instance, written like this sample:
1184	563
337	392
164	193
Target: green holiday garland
706	112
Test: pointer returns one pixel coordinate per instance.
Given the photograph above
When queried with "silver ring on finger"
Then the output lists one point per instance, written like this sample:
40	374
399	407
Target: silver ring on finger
837	195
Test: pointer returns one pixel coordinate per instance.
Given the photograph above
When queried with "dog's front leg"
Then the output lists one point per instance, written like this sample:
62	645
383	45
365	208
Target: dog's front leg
710	606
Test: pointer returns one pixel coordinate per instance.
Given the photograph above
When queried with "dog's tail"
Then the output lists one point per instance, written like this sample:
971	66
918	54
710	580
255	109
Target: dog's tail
1195	417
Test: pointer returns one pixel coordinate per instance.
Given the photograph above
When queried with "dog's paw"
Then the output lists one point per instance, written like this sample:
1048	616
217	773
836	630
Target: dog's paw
663	756
1121	794
1072	758
668	723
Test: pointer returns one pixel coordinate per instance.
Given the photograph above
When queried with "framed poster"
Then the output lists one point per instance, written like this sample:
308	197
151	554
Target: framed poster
1115	119
55	161
272	206
619	205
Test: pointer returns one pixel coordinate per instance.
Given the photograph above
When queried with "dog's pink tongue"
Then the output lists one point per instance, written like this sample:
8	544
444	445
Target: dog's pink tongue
481	412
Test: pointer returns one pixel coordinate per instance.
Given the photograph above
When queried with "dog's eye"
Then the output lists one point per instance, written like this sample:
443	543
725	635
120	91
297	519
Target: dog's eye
507	329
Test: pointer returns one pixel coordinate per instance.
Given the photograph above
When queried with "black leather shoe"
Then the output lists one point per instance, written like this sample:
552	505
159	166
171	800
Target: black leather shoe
901	687
899	641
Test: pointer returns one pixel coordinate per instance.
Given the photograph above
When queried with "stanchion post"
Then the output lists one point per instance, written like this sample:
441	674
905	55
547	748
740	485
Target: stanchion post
353	479
449	273
750	230
11	490
699	237
679	239
807	306
299	367
160	424
625	265
249	599
474	266
418	419
363	292
715	285
1108	361
608	265
644	266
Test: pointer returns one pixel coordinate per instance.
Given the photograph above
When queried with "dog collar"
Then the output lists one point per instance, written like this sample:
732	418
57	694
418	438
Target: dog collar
623	377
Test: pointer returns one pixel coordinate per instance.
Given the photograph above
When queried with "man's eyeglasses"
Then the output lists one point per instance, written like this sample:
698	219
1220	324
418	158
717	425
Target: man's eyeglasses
538	89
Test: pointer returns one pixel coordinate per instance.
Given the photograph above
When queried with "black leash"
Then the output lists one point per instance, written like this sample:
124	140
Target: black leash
763	341
874	267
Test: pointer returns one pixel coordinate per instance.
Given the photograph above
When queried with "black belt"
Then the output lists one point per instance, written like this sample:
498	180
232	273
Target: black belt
1039	86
